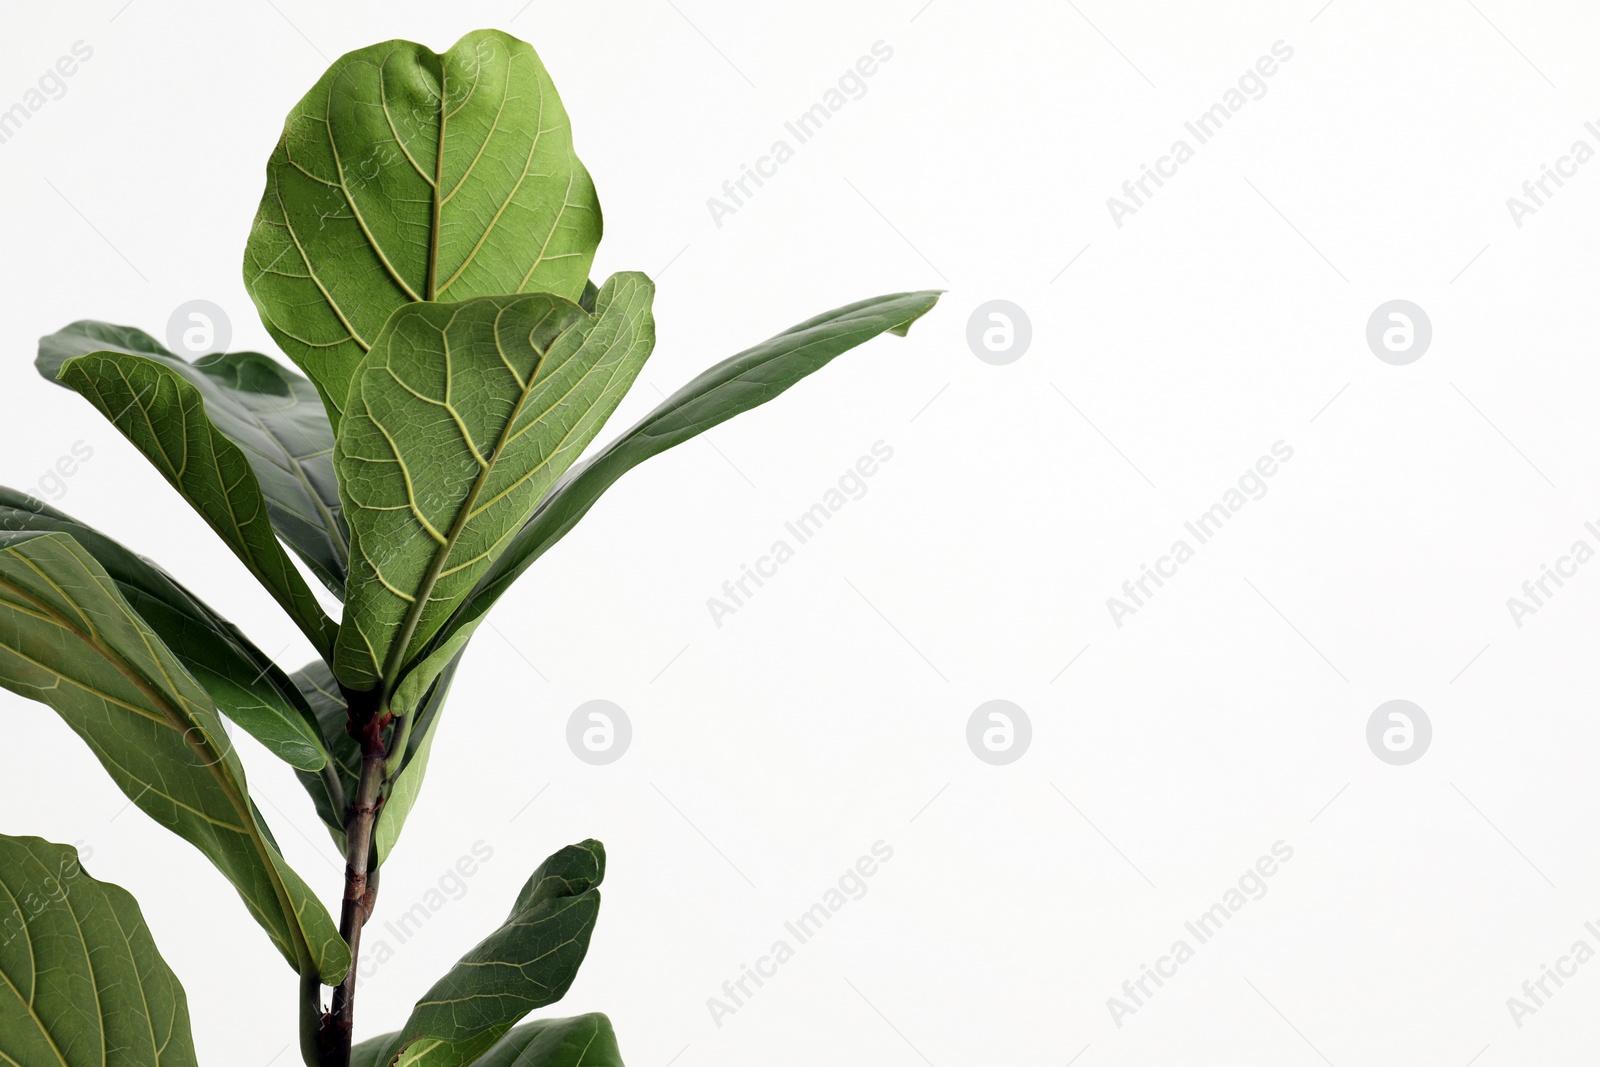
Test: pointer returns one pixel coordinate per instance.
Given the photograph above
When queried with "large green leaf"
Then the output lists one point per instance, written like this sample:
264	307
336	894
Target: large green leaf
316	682
244	683
70	640
164	415
738	384
530	961
83	985
405	175
271	413
459	420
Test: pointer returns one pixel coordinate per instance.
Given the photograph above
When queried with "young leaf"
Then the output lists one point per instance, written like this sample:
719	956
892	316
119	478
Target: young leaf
81	981
271	413
315	682
69	640
246	686
164	416
404	176
529	962
459	420
402	792
745	381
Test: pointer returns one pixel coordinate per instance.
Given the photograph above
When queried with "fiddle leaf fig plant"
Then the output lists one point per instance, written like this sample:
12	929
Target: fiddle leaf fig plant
422	254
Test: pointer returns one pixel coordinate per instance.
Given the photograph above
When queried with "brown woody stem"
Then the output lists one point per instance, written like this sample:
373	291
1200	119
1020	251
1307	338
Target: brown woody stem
366	726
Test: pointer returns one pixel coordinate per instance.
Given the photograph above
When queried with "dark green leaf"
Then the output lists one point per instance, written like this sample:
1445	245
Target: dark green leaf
527	963
745	381
271	413
81	981
246	686
459	420
165	417
70	640
405	175
335	783
579	1041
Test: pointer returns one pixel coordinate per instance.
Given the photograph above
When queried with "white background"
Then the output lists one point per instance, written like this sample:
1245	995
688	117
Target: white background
829	713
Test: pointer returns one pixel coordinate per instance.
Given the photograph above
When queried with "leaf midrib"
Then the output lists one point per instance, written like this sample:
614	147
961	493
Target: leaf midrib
467	510
430	577
350	198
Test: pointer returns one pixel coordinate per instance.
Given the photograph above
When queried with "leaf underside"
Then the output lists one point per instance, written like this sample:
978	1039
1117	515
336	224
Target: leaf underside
404	176
273	415
459	420
164	416
735	385
69	640
244	683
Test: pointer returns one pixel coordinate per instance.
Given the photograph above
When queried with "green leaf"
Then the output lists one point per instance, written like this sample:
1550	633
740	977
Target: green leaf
529	962
317	684
459	420
165	417
271	413
579	1041
405	176
84	983
745	381
70	640
246	686
336	783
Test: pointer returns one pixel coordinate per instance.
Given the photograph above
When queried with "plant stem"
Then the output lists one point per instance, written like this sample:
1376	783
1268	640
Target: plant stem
360	882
